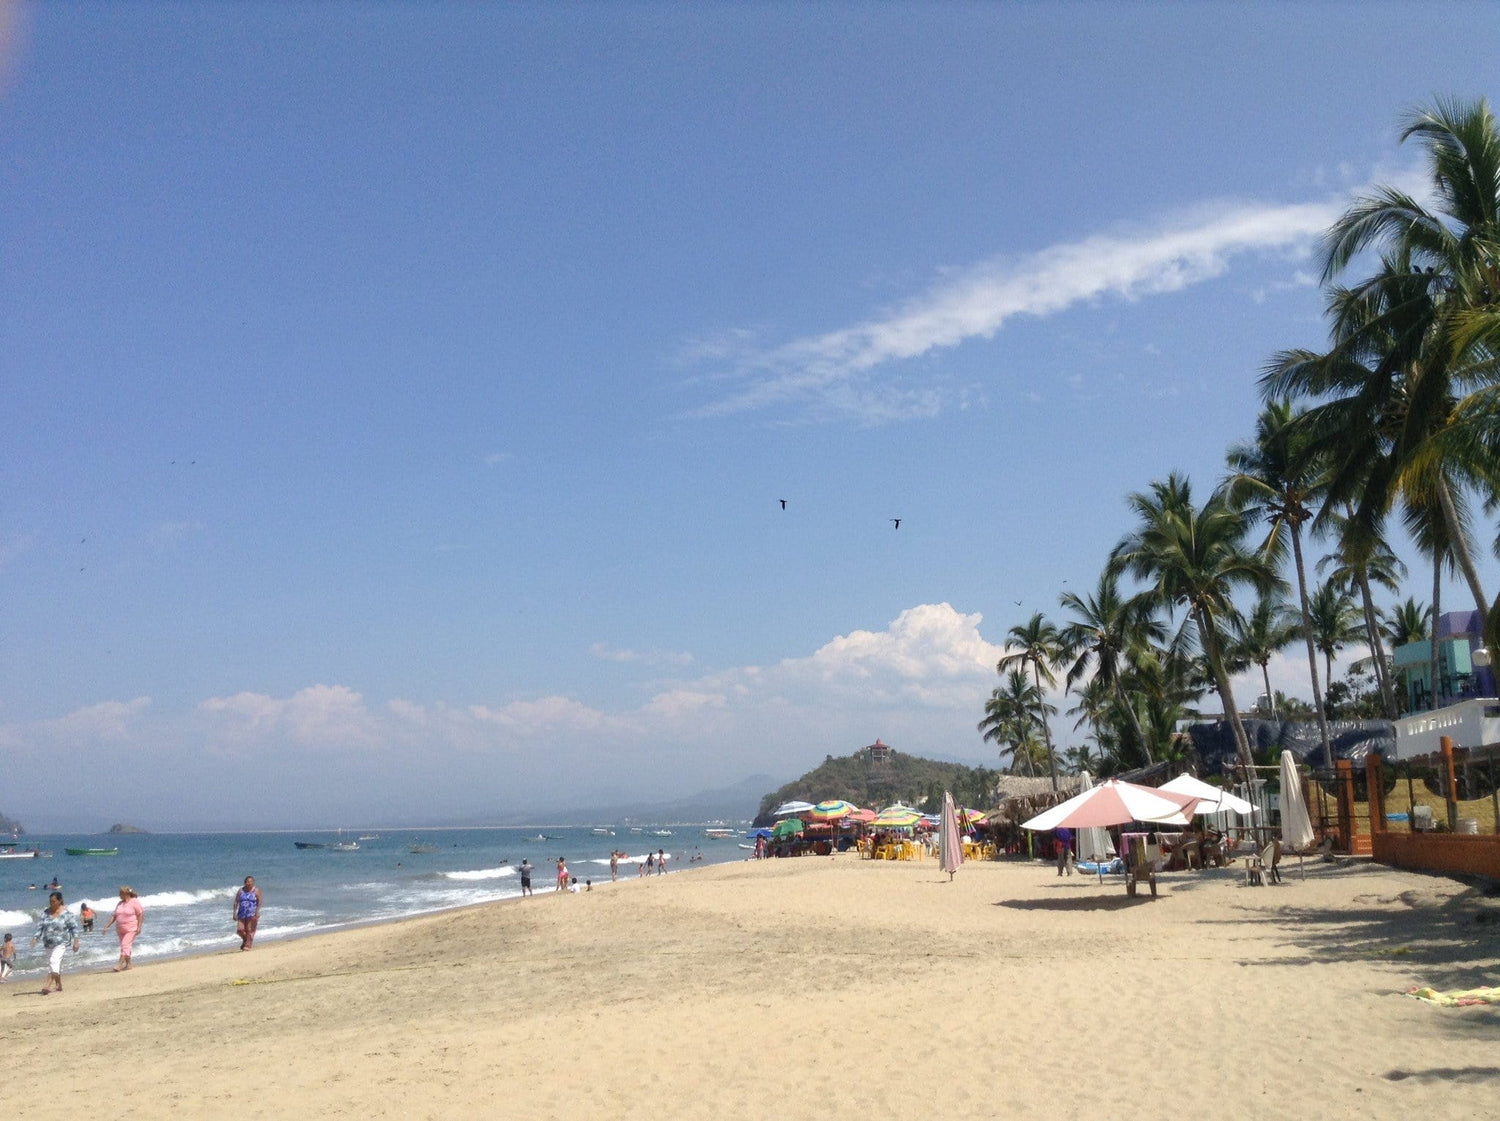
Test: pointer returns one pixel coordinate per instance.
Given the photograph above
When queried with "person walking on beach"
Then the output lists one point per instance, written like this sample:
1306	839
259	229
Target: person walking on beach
614	865
7	957
247	912
128	918
525	877
562	875
57	928
661	861
1064	851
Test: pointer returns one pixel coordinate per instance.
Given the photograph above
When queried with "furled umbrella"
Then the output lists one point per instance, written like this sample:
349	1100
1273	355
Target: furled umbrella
950	849
1296	825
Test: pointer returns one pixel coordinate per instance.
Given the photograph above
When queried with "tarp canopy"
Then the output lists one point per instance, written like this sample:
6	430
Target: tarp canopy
1213	801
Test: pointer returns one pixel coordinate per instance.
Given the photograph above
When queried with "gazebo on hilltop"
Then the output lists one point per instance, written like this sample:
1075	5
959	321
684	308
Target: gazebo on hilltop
878	752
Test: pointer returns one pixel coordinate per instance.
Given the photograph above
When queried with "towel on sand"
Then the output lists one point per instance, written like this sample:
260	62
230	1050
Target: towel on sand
1457	998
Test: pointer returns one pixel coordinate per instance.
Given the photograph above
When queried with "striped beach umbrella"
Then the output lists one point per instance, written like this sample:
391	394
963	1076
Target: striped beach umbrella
896	817
833	810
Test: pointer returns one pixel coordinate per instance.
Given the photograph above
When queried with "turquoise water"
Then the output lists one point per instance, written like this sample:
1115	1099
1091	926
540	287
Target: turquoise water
186	881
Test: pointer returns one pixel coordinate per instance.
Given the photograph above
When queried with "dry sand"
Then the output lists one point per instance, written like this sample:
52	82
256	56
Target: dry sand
806	988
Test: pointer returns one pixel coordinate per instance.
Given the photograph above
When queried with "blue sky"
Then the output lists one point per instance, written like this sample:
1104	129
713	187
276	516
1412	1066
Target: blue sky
400	397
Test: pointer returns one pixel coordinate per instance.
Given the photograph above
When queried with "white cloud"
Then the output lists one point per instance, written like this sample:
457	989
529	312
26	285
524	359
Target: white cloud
108	720
833	371
319	716
645	657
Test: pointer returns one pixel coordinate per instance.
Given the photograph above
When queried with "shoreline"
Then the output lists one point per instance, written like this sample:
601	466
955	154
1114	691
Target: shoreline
881	985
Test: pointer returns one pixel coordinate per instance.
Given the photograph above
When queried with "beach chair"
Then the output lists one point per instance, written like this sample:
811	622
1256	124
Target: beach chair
1140	866
1260	866
1271	857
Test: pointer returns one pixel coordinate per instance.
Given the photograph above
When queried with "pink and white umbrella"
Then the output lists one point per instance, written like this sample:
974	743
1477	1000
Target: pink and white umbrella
1113	802
950	849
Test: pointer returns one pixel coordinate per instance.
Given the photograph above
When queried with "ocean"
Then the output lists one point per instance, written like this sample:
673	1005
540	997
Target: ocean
186	881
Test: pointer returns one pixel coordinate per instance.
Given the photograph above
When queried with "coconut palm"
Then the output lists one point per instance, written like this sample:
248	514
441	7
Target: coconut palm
1105	628
1010	719
1361	559
1036	643
1194	559
1334	622
1280	477
1442	298
1406	622
1270	627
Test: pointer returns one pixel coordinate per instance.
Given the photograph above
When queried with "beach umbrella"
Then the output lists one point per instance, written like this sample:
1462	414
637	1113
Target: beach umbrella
1093	840
864	817
788	827
1296	826
896	817
1213	801
833	809
788	808
760	833
1113	802
950	849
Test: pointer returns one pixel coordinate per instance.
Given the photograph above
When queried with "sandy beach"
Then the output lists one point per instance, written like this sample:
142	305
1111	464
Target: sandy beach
745	990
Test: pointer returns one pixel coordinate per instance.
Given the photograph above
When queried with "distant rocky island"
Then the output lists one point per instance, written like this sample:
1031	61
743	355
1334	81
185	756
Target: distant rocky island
119	828
10	827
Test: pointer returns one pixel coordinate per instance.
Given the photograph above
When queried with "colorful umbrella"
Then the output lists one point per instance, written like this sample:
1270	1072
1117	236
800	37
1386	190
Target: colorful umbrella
896	817
787	827
833	810
1113	802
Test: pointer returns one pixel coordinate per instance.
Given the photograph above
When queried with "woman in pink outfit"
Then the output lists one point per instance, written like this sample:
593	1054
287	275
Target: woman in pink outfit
127	920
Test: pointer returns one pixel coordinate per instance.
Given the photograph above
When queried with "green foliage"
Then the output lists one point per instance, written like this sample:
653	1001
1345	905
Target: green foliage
877	783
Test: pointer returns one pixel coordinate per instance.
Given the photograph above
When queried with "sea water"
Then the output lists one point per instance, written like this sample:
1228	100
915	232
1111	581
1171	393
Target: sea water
186	881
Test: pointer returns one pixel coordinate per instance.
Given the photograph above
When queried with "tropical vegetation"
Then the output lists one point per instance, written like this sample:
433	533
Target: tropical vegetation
1397	421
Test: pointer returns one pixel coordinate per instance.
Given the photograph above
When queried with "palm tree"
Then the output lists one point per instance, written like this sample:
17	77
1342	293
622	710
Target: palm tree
1036	643
1333	622
1406	622
1446	307
1010	719
1105	629
1359	560
1259	636
1195	559
1279	476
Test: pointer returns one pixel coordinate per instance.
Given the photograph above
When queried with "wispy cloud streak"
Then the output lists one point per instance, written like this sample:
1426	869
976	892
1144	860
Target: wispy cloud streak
836	371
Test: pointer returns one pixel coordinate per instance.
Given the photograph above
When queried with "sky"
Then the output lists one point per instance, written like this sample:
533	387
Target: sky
399	400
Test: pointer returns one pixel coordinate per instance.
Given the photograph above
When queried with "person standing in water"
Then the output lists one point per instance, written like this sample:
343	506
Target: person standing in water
247	912
7	957
128	918
525	876
562	875
58	927
614	865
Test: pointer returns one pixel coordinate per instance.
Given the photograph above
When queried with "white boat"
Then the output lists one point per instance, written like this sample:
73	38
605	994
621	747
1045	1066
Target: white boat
658	832
602	832
345	846
718	833
10	852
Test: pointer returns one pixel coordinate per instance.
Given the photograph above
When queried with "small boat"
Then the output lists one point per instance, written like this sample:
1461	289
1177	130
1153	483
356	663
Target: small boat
745	846
718	833
344	846
421	850
369	836
10	852
602	832
658	832
92	852
310	844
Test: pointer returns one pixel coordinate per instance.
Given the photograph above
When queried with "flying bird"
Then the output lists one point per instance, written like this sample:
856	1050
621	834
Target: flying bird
783	503
896	522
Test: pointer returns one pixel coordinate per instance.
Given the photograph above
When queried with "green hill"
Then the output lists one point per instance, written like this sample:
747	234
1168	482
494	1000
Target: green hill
876	776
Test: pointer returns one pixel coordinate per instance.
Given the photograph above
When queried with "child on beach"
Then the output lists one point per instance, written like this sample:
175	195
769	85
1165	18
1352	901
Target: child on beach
7	957
86	918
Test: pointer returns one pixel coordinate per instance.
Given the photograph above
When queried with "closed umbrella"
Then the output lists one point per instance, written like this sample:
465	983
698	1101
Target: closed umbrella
950	849
1093	840
1296	826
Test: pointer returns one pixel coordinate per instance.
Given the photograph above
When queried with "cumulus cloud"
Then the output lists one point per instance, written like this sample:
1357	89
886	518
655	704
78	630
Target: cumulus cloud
319	716
108	720
834	371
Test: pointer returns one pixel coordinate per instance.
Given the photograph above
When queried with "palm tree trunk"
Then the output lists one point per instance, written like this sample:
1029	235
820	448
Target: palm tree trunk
1458	544
1437	591
1135	720
1377	649
1312	654
1210	641
1036	671
1265	673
